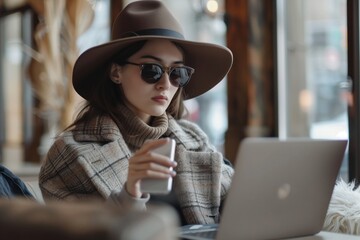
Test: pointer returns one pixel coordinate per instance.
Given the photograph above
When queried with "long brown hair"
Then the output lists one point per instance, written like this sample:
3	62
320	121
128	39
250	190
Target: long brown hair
106	95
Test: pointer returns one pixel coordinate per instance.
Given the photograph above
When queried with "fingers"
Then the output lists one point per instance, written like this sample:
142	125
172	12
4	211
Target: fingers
137	172
145	155
151	159
150	167
146	163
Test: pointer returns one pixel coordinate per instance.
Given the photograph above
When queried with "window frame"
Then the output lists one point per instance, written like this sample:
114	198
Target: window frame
353	74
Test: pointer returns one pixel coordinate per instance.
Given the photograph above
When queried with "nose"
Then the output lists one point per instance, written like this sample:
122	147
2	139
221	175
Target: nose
164	81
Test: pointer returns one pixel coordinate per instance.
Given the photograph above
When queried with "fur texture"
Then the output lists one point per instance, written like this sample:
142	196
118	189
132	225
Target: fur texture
343	215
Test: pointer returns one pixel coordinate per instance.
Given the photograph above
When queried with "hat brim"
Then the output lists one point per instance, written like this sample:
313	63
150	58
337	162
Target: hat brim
210	61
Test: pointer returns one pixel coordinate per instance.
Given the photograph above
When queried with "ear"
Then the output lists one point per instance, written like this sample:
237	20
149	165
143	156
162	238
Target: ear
115	73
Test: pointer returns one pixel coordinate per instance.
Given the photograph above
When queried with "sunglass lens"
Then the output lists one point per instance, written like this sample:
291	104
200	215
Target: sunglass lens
180	76
151	73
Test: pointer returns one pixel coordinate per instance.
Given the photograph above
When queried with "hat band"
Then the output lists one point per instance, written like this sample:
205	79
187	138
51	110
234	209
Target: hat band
156	32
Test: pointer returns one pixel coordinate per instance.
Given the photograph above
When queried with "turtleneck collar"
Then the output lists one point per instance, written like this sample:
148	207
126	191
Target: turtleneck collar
136	132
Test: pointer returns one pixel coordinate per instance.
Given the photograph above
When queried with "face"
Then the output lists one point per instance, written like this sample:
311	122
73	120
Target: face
146	99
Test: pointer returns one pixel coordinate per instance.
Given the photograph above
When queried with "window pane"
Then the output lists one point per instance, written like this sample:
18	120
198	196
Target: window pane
11	90
313	70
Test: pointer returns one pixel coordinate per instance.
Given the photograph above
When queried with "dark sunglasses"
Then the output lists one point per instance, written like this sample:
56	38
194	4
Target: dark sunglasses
152	73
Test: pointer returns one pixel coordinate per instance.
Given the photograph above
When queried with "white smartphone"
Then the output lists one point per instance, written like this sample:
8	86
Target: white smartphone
160	186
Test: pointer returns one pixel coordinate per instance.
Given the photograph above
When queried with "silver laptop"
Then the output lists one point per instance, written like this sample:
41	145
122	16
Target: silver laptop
281	189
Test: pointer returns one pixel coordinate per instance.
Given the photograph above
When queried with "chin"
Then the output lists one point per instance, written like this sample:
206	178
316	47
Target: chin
157	113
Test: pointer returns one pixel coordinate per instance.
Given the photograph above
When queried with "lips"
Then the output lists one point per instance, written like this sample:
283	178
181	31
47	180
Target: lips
160	98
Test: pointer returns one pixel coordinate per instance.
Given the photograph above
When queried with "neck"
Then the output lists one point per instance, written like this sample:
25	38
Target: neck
136	131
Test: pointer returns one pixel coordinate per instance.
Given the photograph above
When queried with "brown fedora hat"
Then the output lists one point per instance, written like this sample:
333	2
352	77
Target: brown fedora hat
150	19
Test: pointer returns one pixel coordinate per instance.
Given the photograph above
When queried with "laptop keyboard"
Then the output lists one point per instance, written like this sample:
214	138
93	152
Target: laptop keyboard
199	232
206	234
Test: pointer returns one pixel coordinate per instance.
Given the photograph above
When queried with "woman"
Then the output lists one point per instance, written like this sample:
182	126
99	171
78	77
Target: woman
135	86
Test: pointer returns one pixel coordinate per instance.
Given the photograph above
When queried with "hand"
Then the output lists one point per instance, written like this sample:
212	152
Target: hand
147	164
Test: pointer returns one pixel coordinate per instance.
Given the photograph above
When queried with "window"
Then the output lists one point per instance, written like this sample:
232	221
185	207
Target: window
15	94
312	69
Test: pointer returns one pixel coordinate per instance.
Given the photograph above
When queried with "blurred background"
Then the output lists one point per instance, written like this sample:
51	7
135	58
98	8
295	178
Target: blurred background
295	71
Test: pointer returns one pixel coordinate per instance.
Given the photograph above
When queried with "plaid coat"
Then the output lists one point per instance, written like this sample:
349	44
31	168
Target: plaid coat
93	162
